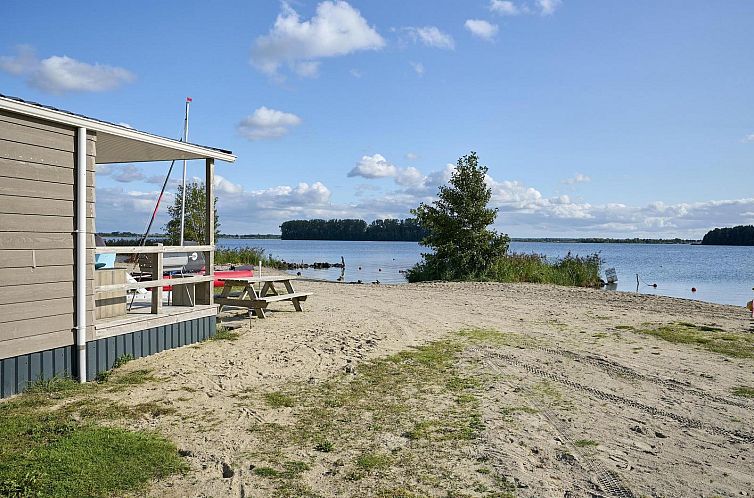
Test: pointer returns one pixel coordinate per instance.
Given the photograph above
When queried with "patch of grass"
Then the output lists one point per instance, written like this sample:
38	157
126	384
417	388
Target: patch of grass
710	338
509	411
373	461
47	453
122	360
324	446
55	387
291	469
225	335
743	391
585	443
266	472
279	400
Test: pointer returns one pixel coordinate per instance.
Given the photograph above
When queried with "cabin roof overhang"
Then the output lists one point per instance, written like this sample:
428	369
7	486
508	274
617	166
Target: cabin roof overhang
117	143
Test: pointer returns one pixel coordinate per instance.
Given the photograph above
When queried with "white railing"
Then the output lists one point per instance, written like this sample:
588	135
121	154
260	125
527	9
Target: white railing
204	292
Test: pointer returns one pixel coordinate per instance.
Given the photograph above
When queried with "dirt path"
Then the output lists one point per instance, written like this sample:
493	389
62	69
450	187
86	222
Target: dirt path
578	403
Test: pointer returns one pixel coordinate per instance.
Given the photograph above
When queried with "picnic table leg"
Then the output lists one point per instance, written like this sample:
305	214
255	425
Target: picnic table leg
225	293
259	312
296	302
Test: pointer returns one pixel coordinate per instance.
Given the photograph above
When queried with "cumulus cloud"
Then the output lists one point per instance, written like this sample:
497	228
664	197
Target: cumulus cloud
418	67
60	74
510	8
411	156
504	7
577	178
127	173
375	166
265	123
547	7
336	29
748	138
523	209
431	36
481	29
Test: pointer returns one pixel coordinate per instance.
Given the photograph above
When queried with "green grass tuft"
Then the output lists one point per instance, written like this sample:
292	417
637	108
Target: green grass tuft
278	400
585	443
743	391
48	454
373	461
710	338
225	335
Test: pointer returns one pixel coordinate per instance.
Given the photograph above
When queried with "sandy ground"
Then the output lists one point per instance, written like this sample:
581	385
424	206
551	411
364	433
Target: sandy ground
662	414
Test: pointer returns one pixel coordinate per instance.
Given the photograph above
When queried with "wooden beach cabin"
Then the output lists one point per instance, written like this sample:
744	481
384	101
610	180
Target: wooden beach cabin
58	315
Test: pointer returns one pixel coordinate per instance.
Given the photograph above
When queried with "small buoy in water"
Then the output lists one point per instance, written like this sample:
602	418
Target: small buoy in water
654	285
359	268
379	269
693	289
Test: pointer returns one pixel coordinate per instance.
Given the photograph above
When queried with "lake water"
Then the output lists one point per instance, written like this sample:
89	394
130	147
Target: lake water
721	274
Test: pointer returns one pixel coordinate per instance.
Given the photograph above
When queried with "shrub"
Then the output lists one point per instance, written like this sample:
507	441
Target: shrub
246	256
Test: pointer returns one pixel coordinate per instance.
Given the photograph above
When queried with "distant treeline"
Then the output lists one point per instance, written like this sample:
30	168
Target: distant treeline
249	236
601	240
742	235
128	234
403	230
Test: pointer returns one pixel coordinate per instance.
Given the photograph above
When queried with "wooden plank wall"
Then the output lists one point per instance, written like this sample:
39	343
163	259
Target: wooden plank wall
37	239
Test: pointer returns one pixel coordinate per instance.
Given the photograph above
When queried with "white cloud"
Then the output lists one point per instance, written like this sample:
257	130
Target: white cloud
481	29
523	209
336	29
510	8
265	123
504	7
748	138
418	68
60	74
411	156
356	73
577	178
547	7
431	36
375	166
125	125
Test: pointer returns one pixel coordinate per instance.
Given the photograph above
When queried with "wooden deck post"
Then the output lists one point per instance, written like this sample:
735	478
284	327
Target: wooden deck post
157	275
205	293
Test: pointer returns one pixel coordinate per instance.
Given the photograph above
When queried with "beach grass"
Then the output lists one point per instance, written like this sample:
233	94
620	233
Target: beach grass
712	339
246	256
570	270
52	450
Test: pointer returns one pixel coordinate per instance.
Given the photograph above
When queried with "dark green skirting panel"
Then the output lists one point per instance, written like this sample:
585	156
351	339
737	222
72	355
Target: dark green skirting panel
18	372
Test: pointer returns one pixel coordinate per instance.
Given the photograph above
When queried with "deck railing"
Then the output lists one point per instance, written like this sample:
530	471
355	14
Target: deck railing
204	283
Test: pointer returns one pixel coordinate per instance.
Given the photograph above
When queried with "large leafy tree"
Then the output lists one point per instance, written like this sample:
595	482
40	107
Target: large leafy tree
464	248
195	228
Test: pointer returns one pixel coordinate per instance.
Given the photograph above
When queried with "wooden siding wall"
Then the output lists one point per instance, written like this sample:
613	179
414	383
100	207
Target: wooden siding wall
37	239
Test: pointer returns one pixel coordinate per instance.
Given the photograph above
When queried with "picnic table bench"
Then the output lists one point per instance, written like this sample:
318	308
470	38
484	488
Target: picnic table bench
257	301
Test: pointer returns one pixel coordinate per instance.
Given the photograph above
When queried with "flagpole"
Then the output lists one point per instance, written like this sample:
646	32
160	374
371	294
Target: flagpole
183	191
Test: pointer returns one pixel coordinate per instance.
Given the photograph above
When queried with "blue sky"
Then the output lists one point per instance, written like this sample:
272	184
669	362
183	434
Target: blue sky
600	118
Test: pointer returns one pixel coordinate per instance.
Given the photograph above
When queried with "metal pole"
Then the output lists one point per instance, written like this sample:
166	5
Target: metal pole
81	248
183	191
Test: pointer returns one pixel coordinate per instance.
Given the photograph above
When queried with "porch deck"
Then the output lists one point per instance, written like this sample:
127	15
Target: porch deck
140	317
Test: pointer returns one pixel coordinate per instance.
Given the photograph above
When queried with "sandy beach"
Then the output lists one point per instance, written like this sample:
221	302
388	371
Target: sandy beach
574	400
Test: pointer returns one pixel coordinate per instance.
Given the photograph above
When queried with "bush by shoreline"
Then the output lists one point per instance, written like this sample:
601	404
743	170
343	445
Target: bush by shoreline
570	270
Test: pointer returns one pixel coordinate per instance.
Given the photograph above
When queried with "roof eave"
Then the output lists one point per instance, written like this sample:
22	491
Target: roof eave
122	131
